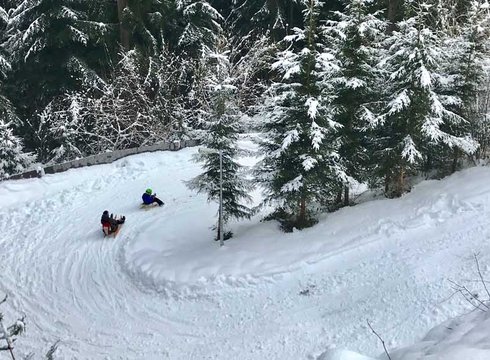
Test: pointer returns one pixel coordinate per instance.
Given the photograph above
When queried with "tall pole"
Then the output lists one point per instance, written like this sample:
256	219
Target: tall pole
221	241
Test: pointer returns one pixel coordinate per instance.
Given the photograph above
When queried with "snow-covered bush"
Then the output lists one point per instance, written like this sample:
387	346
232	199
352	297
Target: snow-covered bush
13	159
140	106
8	335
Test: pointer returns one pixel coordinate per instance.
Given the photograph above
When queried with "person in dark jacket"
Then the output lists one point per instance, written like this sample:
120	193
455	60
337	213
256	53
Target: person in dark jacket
108	221
150	198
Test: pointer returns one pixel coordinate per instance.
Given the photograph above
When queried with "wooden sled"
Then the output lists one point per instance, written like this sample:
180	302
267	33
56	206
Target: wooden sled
148	206
107	230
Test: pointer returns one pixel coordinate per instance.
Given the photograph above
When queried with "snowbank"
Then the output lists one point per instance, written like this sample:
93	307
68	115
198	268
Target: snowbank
175	253
466	337
334	354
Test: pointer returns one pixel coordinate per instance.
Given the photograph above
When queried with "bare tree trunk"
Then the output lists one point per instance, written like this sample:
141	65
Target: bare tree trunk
346	195
387	184
124	33
401	182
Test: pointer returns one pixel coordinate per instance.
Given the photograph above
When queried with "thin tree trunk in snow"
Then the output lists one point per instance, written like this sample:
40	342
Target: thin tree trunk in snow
387	184
456	157
346	195
338	199
400	182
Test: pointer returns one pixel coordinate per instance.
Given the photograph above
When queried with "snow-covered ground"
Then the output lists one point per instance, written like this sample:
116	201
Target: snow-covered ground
164	289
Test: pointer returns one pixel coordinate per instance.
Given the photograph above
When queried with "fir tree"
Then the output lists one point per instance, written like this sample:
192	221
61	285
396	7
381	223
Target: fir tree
203	26
301	168
151	24
276	18
264	16
468	66
7	112
417	120
49	42
220	115
356	38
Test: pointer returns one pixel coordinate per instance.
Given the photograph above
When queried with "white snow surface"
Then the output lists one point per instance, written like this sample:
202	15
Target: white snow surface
465	337
163	289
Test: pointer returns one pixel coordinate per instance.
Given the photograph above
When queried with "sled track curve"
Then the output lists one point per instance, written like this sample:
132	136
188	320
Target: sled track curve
79	287
66	277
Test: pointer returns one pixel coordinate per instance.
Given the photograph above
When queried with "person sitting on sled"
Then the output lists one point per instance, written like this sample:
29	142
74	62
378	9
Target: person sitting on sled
150	198
110	222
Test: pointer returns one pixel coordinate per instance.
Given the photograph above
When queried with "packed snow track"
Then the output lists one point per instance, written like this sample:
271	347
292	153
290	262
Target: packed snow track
163	289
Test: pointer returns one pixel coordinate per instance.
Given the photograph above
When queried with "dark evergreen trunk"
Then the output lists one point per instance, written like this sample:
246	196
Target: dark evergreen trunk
455	162
302	213
394	13
338	198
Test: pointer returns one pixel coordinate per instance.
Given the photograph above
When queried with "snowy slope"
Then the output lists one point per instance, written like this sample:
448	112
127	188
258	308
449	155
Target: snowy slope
163	288
465	337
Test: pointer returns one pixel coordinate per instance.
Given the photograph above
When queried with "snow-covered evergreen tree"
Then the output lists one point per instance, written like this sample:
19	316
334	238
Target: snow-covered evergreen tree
13	159
37	28
67	129
203	25
467	48
264	16
480	125
4	65
50	43
151	24
472	47
7	113
356	37
301	168
220	114
417	120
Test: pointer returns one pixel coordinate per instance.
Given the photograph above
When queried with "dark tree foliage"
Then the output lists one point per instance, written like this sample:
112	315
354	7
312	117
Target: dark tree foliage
54	48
